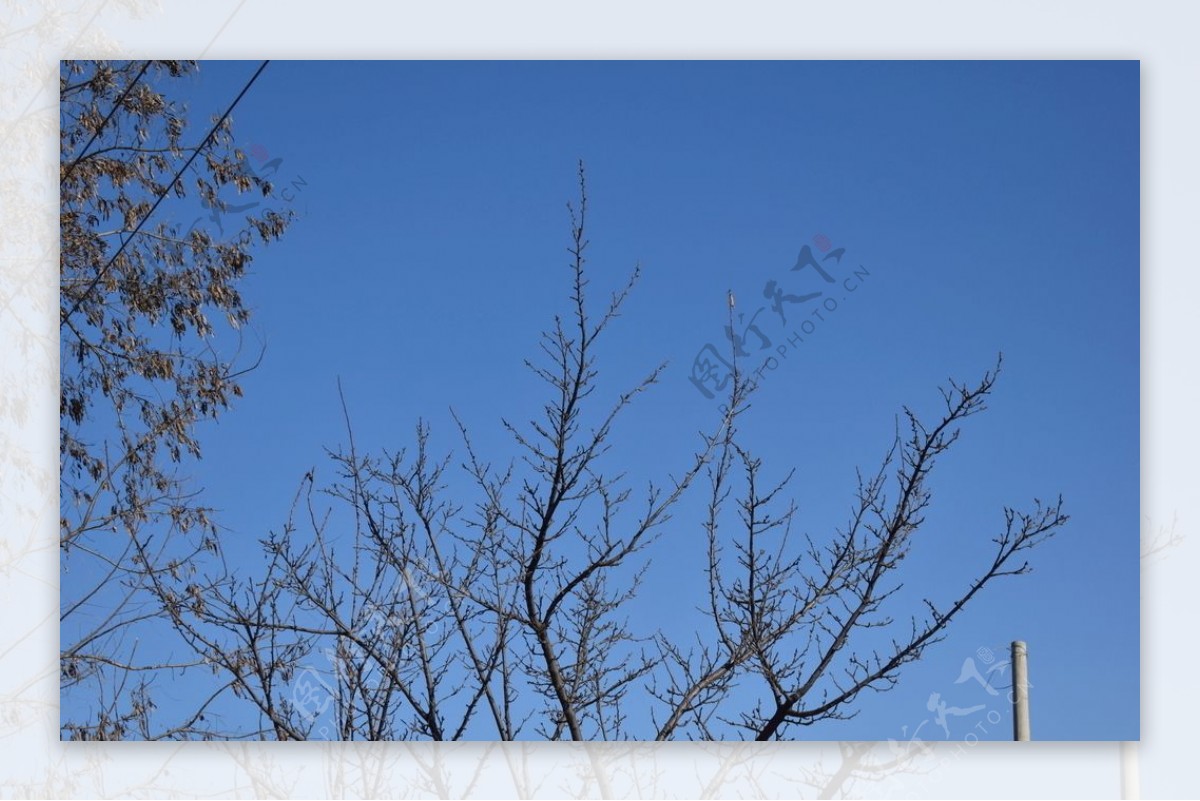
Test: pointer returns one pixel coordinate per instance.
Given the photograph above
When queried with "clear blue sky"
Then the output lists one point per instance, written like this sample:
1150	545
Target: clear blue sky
994	206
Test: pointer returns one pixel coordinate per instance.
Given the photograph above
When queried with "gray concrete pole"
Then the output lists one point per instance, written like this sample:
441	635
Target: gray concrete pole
1020	697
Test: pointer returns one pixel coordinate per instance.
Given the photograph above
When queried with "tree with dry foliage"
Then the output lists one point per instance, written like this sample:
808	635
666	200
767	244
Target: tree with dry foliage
149	293
426	596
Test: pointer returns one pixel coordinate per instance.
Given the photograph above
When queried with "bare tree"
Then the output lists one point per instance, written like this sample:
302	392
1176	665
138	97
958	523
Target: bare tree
401	603
795	618
417	598
142	365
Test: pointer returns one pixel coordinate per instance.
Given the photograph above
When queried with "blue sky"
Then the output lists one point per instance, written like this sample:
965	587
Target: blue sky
988	207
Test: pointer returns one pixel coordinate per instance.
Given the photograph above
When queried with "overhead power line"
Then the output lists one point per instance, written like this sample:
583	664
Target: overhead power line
71	167
161	195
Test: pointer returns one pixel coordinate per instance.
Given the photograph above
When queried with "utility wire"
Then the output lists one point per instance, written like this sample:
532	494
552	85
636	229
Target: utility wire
163	193
116	106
